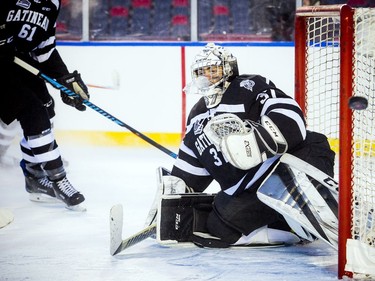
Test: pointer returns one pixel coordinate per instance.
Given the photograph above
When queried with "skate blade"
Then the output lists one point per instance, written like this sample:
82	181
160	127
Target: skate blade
77	208
42	198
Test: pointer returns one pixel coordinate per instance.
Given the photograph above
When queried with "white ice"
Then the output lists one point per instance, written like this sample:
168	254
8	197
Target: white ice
49	242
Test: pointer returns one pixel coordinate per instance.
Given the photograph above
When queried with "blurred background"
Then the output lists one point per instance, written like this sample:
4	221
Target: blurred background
183	20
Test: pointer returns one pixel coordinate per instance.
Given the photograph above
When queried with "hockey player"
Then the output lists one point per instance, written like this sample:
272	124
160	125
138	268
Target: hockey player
28	31
235	135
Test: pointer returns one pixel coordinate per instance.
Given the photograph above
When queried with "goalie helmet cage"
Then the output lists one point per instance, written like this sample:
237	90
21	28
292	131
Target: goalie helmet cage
334	60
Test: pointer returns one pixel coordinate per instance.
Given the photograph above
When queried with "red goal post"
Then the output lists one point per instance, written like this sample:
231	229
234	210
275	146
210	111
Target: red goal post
335	60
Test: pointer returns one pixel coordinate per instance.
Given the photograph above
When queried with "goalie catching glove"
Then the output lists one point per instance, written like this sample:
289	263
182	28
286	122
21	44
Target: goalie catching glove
245	144
73	82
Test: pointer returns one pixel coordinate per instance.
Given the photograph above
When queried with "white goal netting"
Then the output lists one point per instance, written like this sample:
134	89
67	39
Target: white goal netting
326	79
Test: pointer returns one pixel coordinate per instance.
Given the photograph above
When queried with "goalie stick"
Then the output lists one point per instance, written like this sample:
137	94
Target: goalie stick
68	92
117	244
6	217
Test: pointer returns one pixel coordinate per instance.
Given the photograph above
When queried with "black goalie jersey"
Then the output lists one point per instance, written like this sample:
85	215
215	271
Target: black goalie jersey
249	97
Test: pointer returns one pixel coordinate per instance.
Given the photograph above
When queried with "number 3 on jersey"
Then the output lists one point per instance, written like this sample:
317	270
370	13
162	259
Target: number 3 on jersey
217	161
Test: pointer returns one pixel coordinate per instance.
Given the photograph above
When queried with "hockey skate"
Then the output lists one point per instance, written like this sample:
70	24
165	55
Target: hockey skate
65	192
39	189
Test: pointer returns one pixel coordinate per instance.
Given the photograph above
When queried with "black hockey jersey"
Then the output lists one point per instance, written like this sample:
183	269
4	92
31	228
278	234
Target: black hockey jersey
28	28
249	97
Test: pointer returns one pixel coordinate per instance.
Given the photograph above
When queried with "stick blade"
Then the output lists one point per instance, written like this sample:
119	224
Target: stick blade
115	226
6	217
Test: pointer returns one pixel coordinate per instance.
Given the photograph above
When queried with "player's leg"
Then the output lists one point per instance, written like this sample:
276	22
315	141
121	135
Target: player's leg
37	184
192	217
306	190
42	159
296	196
245	220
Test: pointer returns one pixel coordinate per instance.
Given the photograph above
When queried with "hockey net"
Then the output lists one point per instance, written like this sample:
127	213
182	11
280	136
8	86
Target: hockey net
335	59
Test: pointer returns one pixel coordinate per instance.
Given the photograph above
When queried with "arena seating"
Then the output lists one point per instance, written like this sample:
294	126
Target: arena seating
165	20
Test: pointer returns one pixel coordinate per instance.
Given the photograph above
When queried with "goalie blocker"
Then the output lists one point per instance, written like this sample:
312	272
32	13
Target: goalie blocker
182	219
305	196
180	215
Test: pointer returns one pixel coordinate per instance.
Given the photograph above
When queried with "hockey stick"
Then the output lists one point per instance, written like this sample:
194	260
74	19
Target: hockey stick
102	87
6	217
117	244
115	85
60	87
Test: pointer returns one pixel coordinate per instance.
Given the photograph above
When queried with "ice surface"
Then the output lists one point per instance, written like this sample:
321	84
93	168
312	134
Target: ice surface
49	242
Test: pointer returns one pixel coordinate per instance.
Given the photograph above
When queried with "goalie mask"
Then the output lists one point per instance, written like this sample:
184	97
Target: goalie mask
212	71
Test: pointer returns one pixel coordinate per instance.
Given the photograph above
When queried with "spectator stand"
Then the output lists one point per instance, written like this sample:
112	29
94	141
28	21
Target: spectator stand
180	23
169	20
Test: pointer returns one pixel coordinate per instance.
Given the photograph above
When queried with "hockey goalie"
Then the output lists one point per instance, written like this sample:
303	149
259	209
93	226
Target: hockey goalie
275	176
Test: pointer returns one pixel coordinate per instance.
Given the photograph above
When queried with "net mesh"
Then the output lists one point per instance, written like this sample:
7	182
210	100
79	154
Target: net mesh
322	107
323	76
364	128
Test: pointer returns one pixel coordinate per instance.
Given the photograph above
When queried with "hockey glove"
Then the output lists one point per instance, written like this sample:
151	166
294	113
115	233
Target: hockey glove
73	82
245	144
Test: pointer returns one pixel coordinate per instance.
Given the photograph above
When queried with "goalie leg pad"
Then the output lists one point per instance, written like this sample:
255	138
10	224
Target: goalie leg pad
234	216
300	203
268	236
151	217
166	184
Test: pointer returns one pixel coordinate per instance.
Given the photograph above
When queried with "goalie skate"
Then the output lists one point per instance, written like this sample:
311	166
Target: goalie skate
292	193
